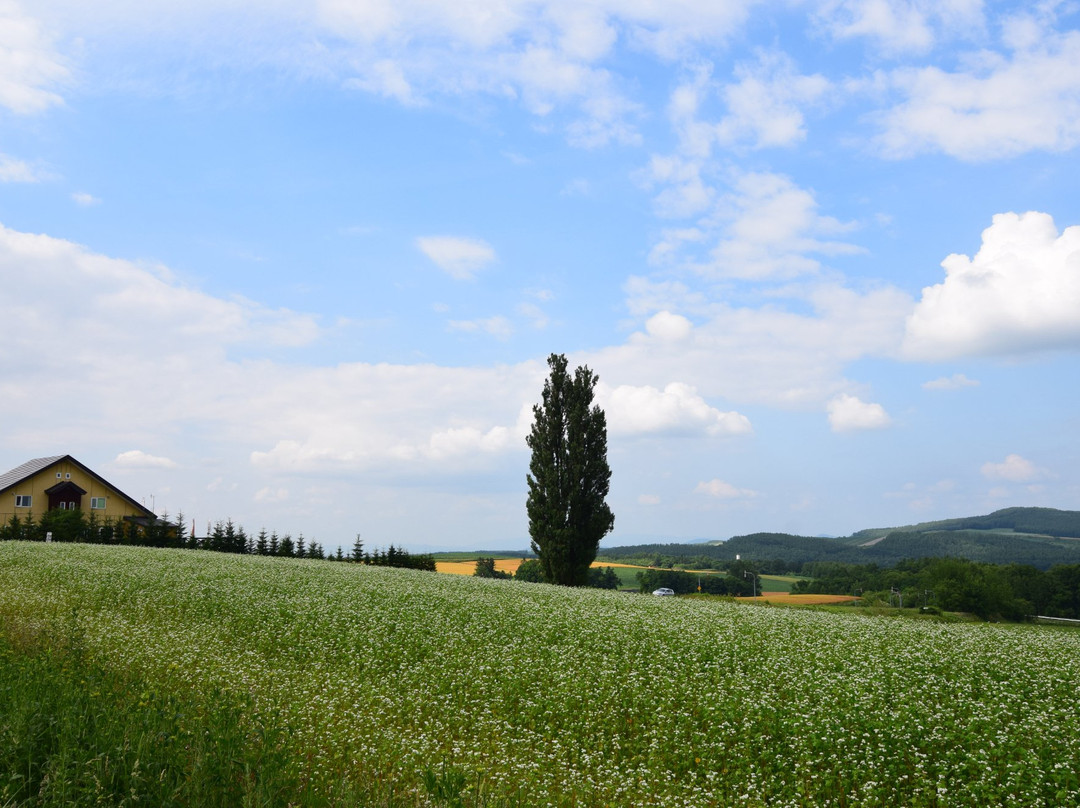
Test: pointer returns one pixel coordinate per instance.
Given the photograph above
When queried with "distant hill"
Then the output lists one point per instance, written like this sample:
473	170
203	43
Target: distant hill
1041	537
1048	522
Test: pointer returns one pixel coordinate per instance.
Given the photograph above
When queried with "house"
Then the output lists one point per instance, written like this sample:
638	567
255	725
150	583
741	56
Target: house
63	482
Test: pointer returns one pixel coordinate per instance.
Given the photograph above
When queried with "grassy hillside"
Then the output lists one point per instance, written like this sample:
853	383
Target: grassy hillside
122	669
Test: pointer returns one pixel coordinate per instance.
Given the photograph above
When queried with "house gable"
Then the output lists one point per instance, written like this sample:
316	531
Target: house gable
38	485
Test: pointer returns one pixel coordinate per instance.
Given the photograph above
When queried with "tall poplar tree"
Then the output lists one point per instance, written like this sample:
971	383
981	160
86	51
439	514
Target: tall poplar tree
568	475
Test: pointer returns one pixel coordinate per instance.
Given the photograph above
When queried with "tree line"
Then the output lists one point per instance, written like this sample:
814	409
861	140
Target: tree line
1007	591
223	537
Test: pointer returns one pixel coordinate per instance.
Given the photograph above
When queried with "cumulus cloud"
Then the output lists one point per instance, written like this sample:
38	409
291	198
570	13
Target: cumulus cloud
1020	293
137	459
460	258
1014	469
785	357
849	413
958	381
668	327
676	409
998	107
718	489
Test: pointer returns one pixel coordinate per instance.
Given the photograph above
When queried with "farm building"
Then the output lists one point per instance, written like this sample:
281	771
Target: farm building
48	483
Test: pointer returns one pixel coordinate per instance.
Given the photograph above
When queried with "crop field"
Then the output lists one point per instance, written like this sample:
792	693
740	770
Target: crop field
788	599
469	567
337	684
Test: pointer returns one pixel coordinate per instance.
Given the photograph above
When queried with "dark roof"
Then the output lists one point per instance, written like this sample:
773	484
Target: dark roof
12	478
27	469
65	487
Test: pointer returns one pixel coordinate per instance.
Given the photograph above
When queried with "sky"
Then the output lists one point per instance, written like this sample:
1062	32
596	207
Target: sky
300	263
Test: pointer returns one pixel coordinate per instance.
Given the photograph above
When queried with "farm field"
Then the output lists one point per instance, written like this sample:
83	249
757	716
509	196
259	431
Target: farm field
510	565
377	686
788	599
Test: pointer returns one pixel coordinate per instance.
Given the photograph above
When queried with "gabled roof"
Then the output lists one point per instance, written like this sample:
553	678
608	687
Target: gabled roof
28	469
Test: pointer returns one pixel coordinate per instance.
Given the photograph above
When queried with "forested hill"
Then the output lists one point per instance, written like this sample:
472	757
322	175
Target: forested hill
1041	537
1035	521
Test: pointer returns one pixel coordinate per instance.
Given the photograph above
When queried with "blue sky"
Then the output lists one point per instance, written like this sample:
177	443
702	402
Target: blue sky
300	264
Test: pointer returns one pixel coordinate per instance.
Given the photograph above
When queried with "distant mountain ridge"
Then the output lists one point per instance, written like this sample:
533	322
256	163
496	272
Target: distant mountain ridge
1041	537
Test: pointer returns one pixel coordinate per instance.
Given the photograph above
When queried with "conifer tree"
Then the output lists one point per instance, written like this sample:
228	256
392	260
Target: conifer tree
569	476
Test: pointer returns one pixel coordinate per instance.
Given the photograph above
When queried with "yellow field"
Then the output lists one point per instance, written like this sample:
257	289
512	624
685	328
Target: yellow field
502	565
469	567
787	598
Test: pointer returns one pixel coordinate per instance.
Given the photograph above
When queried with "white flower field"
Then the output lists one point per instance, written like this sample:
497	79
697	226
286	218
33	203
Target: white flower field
536	695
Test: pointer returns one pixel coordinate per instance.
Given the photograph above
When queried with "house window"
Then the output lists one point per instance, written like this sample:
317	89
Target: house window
67	476
58	475
97	503
23	501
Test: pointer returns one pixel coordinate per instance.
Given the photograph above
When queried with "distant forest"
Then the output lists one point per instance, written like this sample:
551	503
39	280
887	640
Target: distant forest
1039	537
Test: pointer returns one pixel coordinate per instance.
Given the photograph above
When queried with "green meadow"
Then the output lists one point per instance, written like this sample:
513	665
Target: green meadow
165	677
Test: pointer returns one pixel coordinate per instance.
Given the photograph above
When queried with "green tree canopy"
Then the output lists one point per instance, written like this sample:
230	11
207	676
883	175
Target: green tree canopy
569	476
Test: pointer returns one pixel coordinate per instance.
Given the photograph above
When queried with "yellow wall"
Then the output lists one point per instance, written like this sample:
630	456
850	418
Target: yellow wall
116	507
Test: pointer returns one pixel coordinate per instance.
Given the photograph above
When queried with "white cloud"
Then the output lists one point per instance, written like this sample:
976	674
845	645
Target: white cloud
460	258
1014	469
772	228
763	227
900	25
13	170
497	326
771	355
668	327
765	106
648	499
87	290
958	381
270	494
997	108
385	77
536	316
137	459
718	489
848	413
85	200
1020	293
29	66
676	409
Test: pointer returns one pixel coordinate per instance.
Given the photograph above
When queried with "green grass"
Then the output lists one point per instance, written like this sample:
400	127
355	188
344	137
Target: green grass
190	678
74	731
780	583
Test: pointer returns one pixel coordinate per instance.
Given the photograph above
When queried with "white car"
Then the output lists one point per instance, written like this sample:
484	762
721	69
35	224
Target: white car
663	591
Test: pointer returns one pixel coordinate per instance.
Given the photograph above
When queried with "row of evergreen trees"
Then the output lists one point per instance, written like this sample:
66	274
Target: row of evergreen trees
223	537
